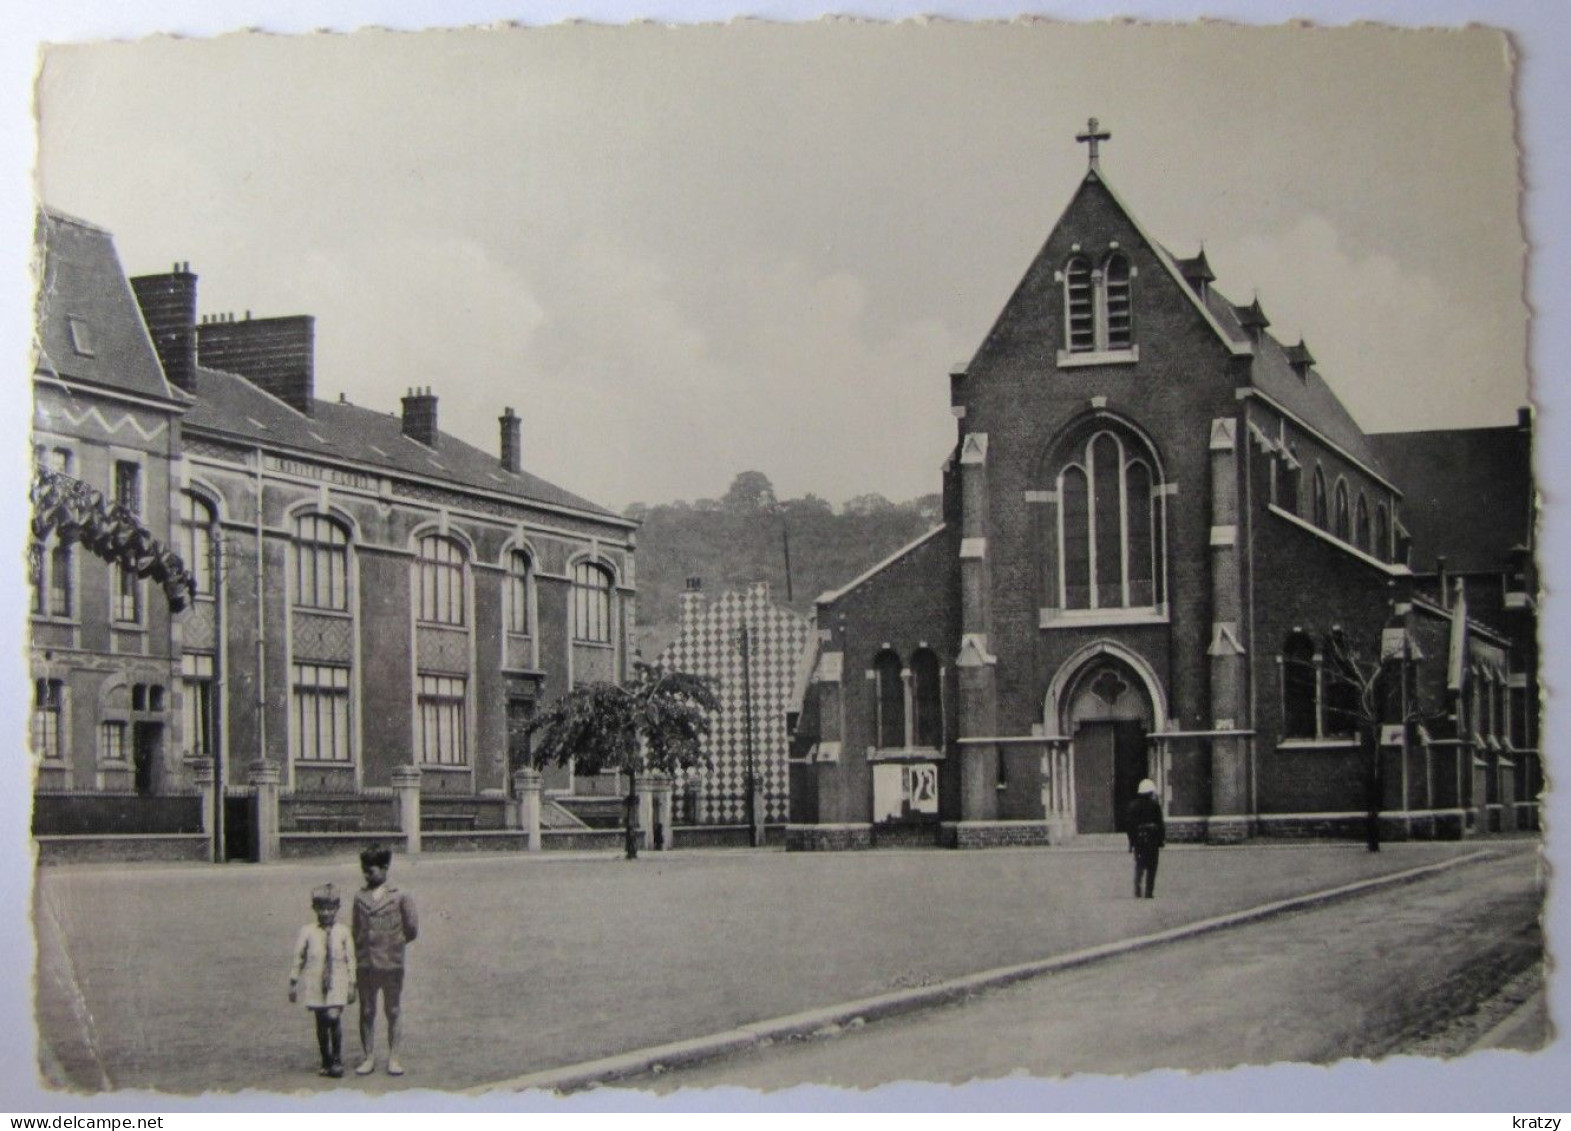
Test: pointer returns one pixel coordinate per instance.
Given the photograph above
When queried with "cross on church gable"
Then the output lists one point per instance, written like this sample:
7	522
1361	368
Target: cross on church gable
1091	137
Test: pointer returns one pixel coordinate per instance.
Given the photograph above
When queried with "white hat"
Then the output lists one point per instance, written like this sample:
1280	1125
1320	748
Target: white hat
1146	786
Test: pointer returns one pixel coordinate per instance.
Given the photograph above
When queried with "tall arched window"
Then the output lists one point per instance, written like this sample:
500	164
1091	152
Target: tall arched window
1361	524
1080	305
1118	312
440	596
321	563
518	592
1382	532
591	604
199	523
1300	687
889	701
1321	519
1343	689
1109	530
926	700
1344	524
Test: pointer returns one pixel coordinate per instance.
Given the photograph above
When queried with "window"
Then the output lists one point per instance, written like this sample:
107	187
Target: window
1320	517
440	566
1343	690
48	716
196	709
198	522
889	701
1098	306
52	580
591	604
1080	305
1344	526
127	596
926	698
111	742
322	564
128	485
1361	524
55	459
1109	532
1300	688
440	738
1382	532
518	592
319	723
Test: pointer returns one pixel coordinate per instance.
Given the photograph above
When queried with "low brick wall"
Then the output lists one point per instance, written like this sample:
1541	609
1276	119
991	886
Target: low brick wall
85	813
1186	830
480	840
995	834
303	845
827	838
580	840
329	813
716	836
196	847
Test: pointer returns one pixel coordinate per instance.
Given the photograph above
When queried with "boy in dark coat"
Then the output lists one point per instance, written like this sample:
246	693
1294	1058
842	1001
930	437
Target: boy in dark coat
1147	833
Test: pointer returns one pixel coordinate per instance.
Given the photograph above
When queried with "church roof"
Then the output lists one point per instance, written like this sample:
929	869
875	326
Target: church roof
230	405
89	326
1468	493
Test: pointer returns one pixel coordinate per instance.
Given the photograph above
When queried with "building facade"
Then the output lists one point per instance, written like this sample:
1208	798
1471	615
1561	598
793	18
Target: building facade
1167	551
375	599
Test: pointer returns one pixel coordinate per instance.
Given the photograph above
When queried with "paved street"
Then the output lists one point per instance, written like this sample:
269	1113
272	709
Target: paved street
1362	978
173	976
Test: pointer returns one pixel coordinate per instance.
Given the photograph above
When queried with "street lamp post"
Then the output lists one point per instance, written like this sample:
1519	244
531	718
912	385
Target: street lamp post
753	816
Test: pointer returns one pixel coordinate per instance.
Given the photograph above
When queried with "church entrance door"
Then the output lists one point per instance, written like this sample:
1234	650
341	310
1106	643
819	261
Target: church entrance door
1109	715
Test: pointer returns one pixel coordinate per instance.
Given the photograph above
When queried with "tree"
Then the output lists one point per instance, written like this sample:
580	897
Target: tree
655	721
869	504
749	493
1365	691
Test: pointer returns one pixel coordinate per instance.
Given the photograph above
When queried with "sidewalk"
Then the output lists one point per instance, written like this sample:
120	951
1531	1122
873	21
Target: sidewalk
529	964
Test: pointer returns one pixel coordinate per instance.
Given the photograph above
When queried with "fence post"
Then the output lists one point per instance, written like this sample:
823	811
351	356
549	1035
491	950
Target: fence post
406	784
204	777
263	778
526	786
645	784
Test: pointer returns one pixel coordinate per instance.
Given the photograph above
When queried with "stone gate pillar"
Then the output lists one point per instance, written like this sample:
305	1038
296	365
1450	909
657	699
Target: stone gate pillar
645	785
263	777
526	789
406	787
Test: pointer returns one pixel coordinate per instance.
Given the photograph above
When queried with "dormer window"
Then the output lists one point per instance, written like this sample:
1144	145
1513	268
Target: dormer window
1098	310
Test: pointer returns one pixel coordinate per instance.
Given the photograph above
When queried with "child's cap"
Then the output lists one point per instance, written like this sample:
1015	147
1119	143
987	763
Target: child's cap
324	896
375	854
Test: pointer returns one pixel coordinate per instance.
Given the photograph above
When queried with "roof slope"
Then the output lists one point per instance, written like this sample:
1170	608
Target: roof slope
81	280
1468	493
230	405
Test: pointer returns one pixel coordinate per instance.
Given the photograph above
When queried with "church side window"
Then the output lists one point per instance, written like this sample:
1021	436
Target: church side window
889	702
1300	688
1080	305
1109	536
1361	524
1343	690
926	699
1382	532
1344	525
1321	519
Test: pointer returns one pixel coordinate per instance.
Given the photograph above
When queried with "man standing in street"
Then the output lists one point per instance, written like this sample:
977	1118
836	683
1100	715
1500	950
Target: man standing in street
1147	833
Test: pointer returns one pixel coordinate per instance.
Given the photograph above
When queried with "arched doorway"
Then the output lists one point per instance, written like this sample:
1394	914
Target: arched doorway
1107	714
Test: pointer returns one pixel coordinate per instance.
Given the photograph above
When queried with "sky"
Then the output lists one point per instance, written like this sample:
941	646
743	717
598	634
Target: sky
681	253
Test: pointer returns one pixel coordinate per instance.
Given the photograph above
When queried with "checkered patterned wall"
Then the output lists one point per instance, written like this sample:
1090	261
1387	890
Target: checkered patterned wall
709	644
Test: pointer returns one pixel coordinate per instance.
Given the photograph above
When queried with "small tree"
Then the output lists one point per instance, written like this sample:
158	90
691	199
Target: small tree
655	721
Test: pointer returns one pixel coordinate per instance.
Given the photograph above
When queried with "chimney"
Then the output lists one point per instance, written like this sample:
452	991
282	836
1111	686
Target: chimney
168	305
277	355
512	449
420	416
691	601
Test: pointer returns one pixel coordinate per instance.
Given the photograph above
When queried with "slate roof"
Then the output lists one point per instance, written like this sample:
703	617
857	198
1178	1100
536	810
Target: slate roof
80	278
230	406
1468	494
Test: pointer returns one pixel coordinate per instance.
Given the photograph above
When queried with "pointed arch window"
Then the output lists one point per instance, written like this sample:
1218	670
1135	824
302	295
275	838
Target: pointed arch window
1343	689
1118	312
1344	525
889	702
1382	532
1300	687
1109	530
519	576
1321	518
1361	524
1099	305
1080	305
926	699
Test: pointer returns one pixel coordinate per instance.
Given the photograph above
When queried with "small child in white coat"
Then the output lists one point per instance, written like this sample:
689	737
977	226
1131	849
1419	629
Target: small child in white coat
322	976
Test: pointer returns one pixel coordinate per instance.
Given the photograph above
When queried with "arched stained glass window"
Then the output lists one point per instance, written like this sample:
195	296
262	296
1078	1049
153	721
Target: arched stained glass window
1109	524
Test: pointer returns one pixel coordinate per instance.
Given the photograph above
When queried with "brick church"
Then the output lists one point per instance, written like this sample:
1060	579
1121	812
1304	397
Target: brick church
1166	549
